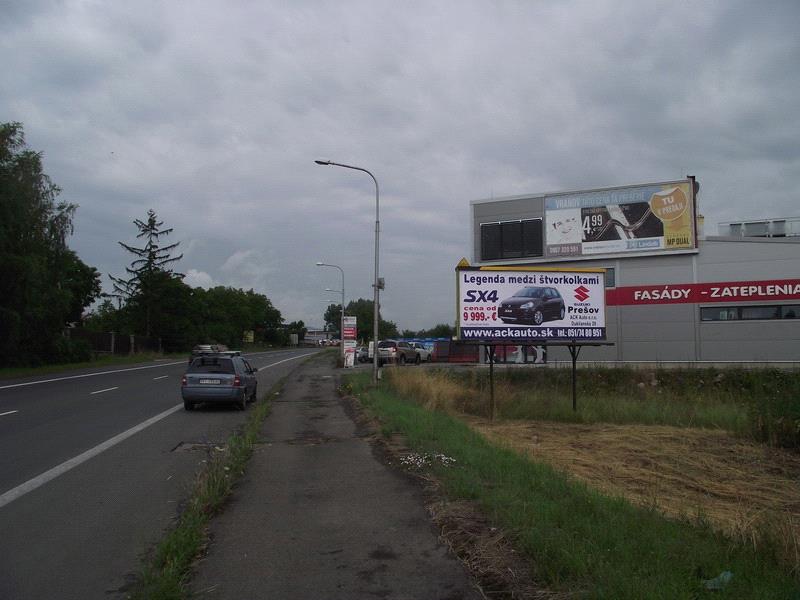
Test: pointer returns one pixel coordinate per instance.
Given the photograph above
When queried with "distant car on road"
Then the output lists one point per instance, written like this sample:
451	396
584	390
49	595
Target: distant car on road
219	378
396	352
533	305
206	349
423	353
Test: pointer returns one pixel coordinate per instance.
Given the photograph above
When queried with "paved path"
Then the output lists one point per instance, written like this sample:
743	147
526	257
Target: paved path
318	516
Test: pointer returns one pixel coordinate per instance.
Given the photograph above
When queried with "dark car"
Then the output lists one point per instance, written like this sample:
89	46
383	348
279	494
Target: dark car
533	305
219	378
205	350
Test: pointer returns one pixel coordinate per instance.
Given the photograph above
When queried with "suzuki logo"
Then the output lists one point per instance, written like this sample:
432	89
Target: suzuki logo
581	293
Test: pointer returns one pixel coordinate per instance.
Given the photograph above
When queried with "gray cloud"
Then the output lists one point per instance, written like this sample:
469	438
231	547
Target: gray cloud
212	115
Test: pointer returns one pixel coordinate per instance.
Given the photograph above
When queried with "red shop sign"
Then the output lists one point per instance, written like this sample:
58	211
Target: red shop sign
693	293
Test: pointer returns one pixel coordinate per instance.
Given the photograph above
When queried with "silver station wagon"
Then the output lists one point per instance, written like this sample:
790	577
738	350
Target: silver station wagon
219	378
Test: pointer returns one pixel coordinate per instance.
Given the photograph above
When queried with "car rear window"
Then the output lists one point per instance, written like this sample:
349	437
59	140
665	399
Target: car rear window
387	345
211	364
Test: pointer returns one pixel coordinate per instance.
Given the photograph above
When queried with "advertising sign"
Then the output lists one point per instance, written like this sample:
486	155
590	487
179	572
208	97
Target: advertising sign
518	304
349	328
645	218
349	334
695	293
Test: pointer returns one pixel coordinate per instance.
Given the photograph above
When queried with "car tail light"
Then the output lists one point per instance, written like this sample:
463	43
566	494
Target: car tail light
183	380
237	381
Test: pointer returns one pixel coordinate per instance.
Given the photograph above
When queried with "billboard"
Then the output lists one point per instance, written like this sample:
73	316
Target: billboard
657	217
514	304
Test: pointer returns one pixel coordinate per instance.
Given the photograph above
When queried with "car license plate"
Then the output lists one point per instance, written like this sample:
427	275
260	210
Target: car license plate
210	381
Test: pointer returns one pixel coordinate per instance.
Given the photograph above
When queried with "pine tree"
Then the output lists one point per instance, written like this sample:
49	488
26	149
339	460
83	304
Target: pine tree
149	269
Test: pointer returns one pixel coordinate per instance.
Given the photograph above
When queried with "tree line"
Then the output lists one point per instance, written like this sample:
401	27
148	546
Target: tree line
45	286
362	310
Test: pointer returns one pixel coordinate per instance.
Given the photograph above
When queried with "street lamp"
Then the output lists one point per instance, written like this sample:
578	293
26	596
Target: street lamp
341	330
377	285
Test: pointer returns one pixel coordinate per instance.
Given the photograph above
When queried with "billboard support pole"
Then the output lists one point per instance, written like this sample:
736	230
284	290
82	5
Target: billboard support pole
574	351
490	351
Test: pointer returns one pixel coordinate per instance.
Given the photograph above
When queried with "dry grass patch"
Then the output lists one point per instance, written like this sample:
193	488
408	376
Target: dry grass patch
747	490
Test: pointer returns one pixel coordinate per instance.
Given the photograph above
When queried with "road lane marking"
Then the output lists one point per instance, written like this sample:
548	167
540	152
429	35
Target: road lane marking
285	360
170	364
67	465
105	390
10	412
162	377
15	385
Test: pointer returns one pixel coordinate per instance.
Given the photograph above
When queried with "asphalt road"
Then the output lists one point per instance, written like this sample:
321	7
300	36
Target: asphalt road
93	466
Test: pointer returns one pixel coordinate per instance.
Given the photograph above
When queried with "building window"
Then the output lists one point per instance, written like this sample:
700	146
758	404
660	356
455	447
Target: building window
761	312
611	277
511	239
750	313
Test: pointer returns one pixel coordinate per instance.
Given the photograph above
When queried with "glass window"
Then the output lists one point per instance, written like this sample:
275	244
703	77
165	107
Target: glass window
210	364
511	234
532	237
719	313
611	278
511	239
490	241
760	312
790	311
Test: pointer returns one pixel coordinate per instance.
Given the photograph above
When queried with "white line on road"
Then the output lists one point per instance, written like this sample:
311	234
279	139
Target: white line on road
283	361
14	385
105	390
162	377
40	480
10	412
67	465
169	364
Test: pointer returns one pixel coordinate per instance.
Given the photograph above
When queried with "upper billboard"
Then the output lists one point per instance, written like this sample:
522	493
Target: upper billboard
658	217
514	305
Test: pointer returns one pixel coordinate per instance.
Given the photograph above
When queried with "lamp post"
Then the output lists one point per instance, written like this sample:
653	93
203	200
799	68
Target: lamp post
341	326
376	284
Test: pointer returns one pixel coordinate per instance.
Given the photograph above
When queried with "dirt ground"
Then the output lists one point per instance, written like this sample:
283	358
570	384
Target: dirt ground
685	473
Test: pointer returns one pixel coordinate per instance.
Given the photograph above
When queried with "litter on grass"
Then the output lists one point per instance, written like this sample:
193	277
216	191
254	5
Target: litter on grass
420	461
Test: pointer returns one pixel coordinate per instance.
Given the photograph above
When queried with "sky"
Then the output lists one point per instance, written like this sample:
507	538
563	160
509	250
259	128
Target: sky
212	114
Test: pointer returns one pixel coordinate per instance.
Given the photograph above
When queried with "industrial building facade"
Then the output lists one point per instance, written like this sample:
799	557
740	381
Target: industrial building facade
721	299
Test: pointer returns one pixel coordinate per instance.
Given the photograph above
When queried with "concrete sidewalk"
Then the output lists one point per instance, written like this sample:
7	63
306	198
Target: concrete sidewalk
318	516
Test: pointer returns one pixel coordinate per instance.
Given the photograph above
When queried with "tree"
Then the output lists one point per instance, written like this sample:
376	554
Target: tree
146	271
333	317
297	327
43	284
362	310
441	330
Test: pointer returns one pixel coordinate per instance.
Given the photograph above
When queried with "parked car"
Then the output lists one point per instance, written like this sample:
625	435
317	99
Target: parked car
219	378
362	354
423	353
533	305
392	351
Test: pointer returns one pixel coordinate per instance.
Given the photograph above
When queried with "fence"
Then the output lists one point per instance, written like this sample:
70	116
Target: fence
114	343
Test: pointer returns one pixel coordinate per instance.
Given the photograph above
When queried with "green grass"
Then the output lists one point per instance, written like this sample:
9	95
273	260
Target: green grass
577	539
762	404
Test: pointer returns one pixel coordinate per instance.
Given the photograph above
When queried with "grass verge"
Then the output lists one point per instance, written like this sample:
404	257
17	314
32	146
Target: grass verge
166	574
577	539
762	404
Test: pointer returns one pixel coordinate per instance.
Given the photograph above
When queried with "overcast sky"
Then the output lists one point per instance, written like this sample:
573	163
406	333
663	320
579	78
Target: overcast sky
212	113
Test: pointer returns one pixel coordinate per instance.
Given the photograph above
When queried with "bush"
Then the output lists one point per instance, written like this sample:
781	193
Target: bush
775	410
65	350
